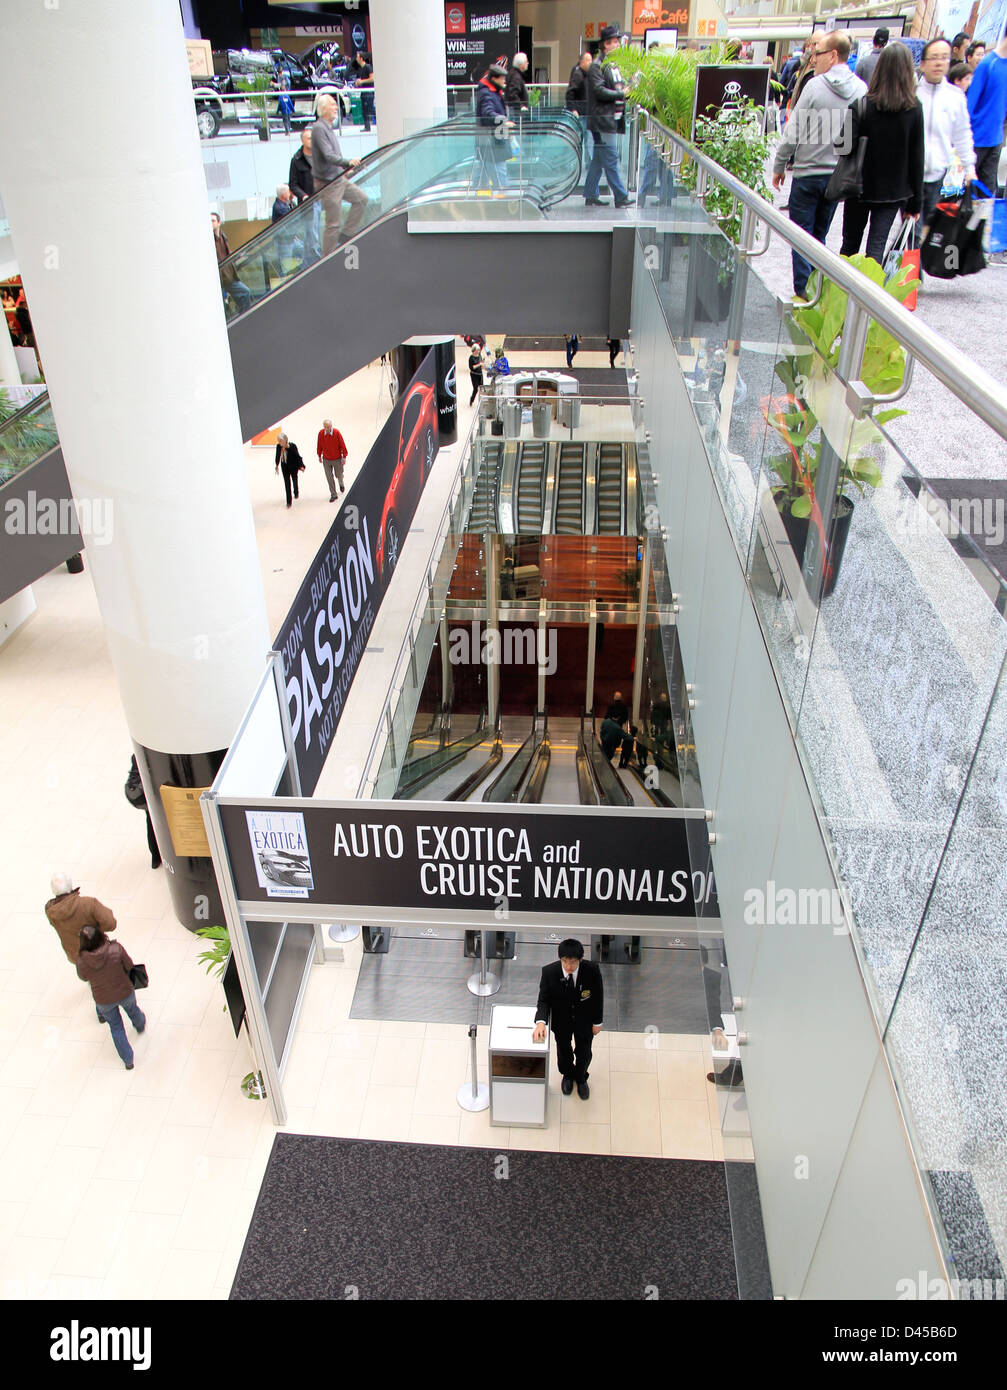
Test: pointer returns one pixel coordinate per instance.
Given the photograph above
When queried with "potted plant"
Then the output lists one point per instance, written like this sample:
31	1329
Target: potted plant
807	418
215	959
257	86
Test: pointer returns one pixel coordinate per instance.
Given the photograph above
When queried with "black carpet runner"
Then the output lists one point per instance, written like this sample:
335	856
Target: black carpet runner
345	1218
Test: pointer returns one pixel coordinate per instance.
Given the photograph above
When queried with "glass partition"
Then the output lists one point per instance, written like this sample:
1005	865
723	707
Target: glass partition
25	436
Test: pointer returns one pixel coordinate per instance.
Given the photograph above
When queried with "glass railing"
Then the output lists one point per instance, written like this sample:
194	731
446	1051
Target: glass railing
25	435
885	627
449	163
457	162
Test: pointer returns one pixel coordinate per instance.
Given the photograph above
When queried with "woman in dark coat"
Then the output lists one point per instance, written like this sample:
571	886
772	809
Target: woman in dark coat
105	966
288	457
495	128
893	163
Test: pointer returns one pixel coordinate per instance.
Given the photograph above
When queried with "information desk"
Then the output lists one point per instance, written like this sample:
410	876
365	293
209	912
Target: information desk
519	1069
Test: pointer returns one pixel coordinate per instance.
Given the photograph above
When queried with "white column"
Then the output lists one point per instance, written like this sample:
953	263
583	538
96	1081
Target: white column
410	70
114	245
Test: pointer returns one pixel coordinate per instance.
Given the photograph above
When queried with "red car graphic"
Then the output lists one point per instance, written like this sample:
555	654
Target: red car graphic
417	447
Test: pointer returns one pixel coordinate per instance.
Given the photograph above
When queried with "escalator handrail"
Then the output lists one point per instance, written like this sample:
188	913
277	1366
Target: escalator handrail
464	789
500	789
610	787
422	769
535	784
458	125
587	784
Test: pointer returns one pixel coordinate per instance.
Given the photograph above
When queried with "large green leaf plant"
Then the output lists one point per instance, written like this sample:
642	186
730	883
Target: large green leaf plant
814	411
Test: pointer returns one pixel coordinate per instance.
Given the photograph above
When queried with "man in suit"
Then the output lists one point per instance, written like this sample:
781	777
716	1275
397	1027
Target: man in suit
570	1000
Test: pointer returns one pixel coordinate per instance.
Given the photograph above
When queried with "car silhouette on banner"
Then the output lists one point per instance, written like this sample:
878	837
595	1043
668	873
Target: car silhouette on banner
417	447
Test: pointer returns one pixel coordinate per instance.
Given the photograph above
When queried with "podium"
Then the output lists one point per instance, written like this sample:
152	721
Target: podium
519	1069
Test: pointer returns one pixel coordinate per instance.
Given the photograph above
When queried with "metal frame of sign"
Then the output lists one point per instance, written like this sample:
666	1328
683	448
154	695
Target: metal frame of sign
239	911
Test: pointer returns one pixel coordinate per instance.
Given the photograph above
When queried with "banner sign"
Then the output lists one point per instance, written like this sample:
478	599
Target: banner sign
485	864
649	14
721	89
477	33
324	634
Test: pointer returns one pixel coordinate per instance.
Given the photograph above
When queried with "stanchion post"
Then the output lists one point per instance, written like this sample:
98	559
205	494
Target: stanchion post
474	1094
483	982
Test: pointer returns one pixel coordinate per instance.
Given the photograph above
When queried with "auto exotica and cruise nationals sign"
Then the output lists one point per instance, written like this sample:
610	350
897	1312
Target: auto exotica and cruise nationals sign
477	865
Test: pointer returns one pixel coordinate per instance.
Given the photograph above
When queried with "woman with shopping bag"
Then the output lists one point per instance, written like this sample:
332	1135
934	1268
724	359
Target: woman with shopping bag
890	118
105	966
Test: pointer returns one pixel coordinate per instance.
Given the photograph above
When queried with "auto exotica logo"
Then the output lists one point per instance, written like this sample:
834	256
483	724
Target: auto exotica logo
280	848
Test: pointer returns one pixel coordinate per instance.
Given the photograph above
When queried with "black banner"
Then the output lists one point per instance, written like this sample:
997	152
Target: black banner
324	634
519	863
721	89
477	35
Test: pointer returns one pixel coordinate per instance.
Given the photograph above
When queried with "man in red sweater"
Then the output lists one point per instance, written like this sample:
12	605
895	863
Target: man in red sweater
331	453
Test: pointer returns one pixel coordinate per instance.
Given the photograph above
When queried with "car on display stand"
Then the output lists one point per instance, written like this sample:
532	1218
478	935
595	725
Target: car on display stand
417	447
220	99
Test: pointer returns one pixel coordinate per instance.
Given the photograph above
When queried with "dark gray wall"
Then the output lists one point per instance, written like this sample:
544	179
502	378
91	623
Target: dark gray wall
334	319
23	558
337	317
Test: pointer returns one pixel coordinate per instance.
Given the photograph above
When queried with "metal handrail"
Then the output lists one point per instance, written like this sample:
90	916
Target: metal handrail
977	388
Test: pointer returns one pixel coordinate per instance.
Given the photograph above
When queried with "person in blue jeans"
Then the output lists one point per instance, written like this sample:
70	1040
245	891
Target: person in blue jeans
105	966
817	120
606	107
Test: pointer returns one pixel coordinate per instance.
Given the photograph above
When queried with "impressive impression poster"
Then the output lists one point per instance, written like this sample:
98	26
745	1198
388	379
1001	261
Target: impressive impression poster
477	33
326	630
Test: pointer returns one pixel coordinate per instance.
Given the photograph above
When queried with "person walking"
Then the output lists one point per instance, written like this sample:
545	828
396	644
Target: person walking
576	92
606	110
329	176
285	103
867	64
515	89
105	966
331	455
572	347
808	143
987	103
946	128
892	121
363	76
571	1001
288	458
475	371
614	348
68	913
494	145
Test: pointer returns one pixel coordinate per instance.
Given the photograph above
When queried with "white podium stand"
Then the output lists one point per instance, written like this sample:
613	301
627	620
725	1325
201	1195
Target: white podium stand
519	1069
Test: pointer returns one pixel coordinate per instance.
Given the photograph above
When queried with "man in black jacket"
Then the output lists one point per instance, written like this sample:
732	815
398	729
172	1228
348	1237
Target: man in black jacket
300	181
606	110
571	999
576	92
515	92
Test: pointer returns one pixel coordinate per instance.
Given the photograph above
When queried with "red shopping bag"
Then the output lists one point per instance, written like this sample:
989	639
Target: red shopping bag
903	261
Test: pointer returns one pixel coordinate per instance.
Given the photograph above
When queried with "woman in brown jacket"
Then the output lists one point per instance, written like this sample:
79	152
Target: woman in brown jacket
105	966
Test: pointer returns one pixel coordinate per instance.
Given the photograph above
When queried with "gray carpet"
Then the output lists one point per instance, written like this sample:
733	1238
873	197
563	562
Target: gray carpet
353	1218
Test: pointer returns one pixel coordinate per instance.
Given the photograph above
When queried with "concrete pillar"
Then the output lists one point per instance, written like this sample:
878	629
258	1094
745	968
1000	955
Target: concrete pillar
410	70
142	391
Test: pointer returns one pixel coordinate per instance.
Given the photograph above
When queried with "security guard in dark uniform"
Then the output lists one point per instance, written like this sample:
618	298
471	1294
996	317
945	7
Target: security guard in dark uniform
571	998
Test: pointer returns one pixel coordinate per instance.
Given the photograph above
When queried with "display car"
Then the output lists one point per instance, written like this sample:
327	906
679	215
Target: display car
417	447
232	66
281	866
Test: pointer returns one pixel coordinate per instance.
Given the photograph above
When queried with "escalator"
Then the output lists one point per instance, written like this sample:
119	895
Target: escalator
386	282
483	514
421	772
610	490
570	502
530	488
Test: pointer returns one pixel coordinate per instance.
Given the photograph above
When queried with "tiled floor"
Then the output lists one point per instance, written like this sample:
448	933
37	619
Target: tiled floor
142	1184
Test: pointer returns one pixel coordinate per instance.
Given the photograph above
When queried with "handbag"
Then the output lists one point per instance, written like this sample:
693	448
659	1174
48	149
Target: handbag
138	977
953	244
847	179
904	256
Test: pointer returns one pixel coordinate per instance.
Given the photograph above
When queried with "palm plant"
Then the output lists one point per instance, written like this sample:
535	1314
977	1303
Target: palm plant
257	86
26	439
665	83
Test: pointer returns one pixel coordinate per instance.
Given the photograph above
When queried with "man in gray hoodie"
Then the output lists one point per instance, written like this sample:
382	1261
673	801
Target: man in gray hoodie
817	121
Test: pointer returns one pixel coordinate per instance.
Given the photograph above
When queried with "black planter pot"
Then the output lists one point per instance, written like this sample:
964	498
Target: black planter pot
263	132
797	528
75	564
